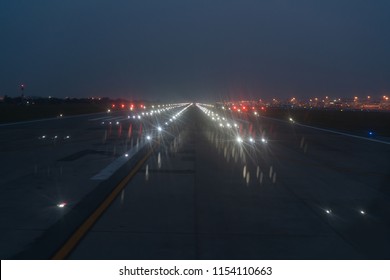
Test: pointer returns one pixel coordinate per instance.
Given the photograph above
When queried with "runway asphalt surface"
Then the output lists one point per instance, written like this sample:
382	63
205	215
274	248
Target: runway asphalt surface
251	188
228	188
51	163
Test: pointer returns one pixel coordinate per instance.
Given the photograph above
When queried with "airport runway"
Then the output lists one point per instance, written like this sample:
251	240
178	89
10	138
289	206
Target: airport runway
250	189
49	166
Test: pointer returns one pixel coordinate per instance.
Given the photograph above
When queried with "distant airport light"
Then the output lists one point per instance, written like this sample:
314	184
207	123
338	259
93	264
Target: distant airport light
61	205
159	128
126	155
362	212
148	138
263	140
370	133
239	139
328	211
108	110
251	140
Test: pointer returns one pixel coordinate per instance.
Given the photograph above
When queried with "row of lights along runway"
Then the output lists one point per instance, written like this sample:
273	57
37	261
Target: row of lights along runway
240	146
156	123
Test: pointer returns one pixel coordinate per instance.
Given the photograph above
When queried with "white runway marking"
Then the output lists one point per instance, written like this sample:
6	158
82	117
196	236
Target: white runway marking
332	131
49	119
101	118
118	163
346	134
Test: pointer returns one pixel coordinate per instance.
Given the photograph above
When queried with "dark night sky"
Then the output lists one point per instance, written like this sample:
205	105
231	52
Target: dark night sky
195	50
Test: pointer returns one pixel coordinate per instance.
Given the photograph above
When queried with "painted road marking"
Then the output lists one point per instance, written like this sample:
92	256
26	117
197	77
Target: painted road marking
331	131
50	119
106	172
71	243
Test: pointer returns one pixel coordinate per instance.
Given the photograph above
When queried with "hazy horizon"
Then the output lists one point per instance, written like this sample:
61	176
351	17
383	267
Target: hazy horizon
195	50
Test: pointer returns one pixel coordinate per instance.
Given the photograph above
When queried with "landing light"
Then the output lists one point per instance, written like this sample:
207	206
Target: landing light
239	139
159	128
61	205
327	211
148	137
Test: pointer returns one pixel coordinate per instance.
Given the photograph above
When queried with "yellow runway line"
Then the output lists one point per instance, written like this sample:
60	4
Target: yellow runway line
71	243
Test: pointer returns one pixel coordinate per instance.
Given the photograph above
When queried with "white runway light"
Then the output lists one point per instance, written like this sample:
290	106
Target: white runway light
61	205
